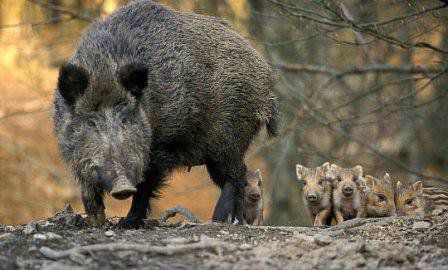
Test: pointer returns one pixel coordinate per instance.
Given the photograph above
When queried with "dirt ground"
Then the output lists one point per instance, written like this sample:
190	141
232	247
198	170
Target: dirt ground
65	241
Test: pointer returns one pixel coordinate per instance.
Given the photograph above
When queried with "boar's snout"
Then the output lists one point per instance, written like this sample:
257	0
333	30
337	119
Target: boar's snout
254	196
122	189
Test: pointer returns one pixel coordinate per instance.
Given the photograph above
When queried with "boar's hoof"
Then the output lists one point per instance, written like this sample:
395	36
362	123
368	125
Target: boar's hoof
123	192
130	223
96	220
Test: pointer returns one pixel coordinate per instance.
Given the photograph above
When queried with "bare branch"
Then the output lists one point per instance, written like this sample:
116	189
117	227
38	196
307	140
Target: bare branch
377	68
404	17
20	113
74	14
33	24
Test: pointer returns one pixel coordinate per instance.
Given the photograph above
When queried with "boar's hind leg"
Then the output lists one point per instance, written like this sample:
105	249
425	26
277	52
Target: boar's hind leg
232	180
140	202
224	206
92	200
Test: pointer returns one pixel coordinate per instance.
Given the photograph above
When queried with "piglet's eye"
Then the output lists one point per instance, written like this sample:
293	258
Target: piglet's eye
355	179
303	182
381	198
409	201
339	179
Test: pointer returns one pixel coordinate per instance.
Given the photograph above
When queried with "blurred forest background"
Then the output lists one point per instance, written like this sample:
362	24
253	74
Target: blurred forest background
359	82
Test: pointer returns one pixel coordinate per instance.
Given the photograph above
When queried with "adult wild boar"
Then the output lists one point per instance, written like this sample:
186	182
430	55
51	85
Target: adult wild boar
149	90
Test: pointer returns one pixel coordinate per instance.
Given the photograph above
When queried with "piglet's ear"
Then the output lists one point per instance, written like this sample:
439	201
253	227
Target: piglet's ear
370	181
72	82
134	78
300	171
418	187
357	170
387	178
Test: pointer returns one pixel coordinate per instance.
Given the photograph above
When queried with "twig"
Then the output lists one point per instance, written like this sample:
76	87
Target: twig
19	113
207	244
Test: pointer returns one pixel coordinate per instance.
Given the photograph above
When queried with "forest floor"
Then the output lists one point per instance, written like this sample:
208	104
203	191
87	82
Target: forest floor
66	242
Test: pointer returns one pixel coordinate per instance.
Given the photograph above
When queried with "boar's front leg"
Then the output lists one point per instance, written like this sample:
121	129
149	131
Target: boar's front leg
232	180
92	199
140	206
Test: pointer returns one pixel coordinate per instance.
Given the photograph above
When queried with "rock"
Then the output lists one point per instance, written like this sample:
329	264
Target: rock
437	212
245	247
46	236
60	266
53	236
30	228
39	236
68	209
223	232
109	233
46	224
420	225
6	237
322	239
10	228
177	240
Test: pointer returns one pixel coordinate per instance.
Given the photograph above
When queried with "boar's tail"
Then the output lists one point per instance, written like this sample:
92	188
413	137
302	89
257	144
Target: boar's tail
273	123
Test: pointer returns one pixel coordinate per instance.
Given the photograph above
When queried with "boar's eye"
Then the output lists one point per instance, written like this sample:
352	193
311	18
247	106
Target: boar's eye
303	182
125	120
355	178
320	182
91	123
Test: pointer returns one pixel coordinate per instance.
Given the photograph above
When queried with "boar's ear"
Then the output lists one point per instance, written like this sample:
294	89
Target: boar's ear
257	174
357	170
418	187
134	78
72	82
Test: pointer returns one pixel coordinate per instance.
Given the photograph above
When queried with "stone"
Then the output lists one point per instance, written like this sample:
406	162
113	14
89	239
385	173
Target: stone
420	225
322	239
30	228
47	236
40	236
245	247
109	233
6	237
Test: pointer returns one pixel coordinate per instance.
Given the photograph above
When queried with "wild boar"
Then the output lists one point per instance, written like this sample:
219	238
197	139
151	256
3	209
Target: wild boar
348	193
149	90
316	192
379	196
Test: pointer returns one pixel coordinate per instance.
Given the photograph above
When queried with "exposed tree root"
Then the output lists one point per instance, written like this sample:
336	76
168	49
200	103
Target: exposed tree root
204	244
179	210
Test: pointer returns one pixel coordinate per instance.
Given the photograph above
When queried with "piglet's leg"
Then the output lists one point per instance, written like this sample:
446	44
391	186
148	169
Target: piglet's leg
338	215
321	217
